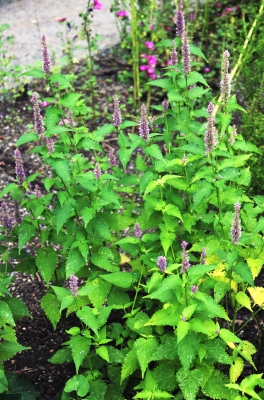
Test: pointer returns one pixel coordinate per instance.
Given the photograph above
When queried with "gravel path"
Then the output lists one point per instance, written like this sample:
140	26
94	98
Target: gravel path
29	19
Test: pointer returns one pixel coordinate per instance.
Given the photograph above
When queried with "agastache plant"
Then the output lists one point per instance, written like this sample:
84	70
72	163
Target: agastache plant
73	285
180	21
186	58
225	81
236	225
143	123
210	138
38	120
19	167
162	263
117	113
6	220
46	64
185	263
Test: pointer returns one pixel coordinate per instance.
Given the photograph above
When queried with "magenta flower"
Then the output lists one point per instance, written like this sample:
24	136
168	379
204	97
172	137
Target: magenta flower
122	14
150	45
207	70
151	60
191	16
143	67
152	76
97	5
61	19
45	103
218	5
150	70
168	28
151	27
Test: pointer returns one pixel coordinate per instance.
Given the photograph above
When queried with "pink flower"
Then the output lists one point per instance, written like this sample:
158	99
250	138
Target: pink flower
143	67
151	60
61	19
151	27
150	45
150	70
207	70
152	76
44	103
97	5
191	16
122	14
168	28
219	5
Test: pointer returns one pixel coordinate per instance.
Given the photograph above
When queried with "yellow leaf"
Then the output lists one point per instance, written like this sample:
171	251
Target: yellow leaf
124	259
257	294
244	300
236	369
255	266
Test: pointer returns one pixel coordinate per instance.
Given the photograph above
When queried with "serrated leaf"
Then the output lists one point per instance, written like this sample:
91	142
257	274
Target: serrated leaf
244	300
144	349
69	100
170	209
257	294
100	133
17	307
6	316
61	356
26	138
154	151
103	353
215	387
35	73
182	330
87	316
196	92
97	390
192	78
51	306
62	169
165	378
130	364
196	50
104	259
163	83
189	382
236	369
9	350
235	161
80	346
100	292
75	262
77	383
87	214
187	350
242	269
46	261
128	124
62	80
121	279
25	233
228	336
166	240
202	191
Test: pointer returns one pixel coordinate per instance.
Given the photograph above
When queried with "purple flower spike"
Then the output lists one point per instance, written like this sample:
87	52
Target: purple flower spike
112	157
6	220
143	123
180	21
19	168
236	225
165	105
97	171
173	54
50	145
210	138
38	121
117	114
162	263
137	231
185	258
194	289
37	191
73	285
225	81
46	64
18	218
186	54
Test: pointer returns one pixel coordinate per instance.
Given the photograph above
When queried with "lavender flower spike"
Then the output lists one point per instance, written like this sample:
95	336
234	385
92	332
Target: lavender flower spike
143	123
180	21
137	231
203	256
185	258
236	225
46	64
6	221
117	114
225	81
50	145
38	121
186	54
97	171
19	168
173	54
162	263
210	138
112	157
73	285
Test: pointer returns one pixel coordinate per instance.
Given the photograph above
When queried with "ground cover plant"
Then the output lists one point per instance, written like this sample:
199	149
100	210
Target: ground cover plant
171	200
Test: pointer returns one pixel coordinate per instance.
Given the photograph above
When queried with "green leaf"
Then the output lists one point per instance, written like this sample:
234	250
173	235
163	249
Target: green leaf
235	161
61	356
87	316
17	384
189	382
52	117
163	83
9	350
75	262
59	78
25	233
165	377
232	104
120	279
35	73
62	169
17	307
170	286
97	390
144	349
167	239
104	259
215	387
196	92
6	316
79	384
63	213
182	330
99	293
210	307
128	124
192	78
69	100
195	50
228	336
243	270
26	138
166	316
154	151
80	346
100	133
46	261
103	353
202	191
87	214
51	306
130	364
170	209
